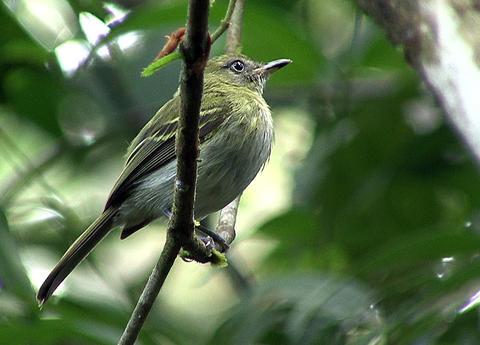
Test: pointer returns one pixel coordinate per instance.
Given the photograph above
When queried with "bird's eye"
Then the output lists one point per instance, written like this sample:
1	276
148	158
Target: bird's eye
237	66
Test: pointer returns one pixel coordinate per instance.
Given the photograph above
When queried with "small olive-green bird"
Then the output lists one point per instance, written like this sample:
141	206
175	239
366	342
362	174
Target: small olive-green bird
236	135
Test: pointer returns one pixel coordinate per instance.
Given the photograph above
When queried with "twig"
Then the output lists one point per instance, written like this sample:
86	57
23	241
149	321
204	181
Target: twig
180	232
226	21
150	292
195	49
234	34
227	220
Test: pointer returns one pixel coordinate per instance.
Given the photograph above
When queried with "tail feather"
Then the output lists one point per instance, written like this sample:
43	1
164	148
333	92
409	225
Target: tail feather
76	253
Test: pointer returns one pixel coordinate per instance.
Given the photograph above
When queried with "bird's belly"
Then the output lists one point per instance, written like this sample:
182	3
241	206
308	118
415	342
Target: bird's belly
152	196
226	167
222	176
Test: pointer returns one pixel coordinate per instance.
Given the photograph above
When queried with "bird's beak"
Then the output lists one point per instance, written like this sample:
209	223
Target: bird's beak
273	66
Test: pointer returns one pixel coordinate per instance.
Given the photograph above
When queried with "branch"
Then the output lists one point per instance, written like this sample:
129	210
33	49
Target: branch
227	220
180	232
150	292
225	23
441	42
195	51
234	34
228	215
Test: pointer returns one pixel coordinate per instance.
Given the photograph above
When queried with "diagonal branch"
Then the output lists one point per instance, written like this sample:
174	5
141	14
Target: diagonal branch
195	51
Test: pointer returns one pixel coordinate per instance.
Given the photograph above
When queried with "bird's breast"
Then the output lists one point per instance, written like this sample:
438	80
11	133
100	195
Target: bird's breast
231	159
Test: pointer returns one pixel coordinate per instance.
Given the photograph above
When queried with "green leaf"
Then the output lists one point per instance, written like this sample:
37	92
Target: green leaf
158	64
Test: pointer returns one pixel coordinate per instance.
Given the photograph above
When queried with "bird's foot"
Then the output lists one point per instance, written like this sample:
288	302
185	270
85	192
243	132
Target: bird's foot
208	244
217	241
209	238
208	253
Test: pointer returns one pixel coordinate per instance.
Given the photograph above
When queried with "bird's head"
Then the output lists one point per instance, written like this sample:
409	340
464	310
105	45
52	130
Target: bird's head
239	70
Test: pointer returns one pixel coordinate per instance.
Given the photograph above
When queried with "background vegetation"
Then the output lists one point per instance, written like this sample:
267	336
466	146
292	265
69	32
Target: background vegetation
362	230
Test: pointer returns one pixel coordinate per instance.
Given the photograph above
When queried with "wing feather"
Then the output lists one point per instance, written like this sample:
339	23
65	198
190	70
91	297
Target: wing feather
154	147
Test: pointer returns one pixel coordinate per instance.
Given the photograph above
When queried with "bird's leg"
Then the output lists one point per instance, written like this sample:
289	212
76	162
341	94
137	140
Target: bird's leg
213	235
208	237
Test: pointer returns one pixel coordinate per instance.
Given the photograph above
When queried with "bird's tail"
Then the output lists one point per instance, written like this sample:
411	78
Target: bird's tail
76	253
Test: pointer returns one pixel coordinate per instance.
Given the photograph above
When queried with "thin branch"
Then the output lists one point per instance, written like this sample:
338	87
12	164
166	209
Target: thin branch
150	292
180	233
195	49
226	22
234	34
227	220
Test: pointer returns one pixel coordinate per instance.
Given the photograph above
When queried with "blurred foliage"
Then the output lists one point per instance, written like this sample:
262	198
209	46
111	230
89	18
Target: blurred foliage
380	244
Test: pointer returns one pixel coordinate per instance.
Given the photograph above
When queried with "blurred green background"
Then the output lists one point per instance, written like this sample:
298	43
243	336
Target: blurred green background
363	228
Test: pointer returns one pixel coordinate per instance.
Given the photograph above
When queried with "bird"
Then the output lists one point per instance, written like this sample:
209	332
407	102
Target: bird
235	135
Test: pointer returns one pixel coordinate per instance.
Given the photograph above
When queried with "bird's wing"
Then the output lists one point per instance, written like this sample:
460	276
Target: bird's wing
166	114
154	147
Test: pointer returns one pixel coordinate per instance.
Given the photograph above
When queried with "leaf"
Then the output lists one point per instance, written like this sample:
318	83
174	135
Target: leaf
158	64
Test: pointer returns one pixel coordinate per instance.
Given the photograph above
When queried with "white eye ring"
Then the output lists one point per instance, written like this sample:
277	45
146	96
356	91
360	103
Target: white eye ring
237	66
